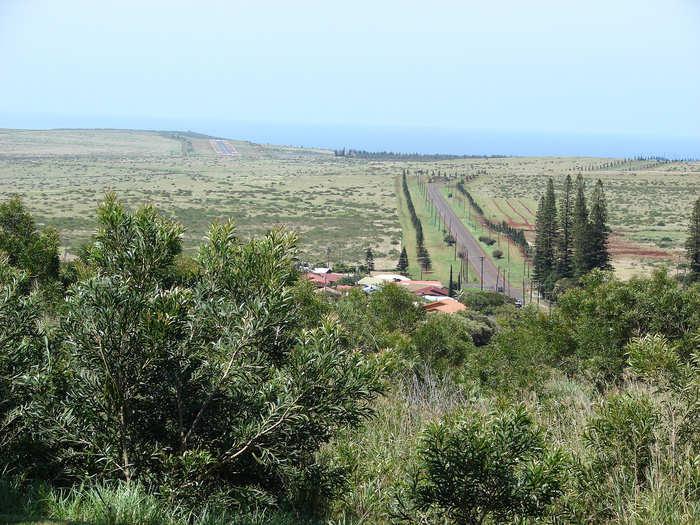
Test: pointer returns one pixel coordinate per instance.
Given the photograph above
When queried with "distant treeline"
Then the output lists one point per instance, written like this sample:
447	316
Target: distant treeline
390	155
621	163
514	234
421	251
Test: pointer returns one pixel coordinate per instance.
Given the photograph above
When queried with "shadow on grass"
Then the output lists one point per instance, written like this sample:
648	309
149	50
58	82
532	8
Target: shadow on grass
35	520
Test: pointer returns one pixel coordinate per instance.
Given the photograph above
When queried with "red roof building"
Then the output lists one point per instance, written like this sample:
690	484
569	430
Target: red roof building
325	279
445	306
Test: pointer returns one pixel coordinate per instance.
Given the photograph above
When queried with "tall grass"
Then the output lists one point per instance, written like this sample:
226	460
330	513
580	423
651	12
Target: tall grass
116	504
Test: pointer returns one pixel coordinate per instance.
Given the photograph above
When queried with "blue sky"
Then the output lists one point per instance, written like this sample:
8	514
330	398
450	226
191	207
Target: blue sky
593	66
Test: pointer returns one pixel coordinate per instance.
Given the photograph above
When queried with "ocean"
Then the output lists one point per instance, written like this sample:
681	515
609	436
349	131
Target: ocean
399	139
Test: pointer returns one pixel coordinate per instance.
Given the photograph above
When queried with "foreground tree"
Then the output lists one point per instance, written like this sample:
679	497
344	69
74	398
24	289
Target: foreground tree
213	391
25	247
20	353
473	470
692	244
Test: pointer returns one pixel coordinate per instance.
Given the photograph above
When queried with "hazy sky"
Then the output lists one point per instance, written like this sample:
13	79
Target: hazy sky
596	66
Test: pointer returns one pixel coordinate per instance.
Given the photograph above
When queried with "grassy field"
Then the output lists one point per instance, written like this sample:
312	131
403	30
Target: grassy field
648	206
512	261
441	255
339	206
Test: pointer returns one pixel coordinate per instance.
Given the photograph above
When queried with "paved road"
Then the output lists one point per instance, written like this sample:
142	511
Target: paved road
466	242
222	147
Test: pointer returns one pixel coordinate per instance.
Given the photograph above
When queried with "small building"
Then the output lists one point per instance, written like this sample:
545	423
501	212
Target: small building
445	306
433	291
323	280
391	277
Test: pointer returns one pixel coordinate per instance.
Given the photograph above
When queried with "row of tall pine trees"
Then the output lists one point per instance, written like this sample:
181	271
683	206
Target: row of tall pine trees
571	238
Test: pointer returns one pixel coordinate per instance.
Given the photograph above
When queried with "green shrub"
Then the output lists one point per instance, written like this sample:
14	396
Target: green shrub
484	301
472	468
443	341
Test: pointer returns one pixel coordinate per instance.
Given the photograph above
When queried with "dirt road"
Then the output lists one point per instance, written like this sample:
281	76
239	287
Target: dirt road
467	243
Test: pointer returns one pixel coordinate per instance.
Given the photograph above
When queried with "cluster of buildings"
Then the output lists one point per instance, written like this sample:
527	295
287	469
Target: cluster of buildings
433	295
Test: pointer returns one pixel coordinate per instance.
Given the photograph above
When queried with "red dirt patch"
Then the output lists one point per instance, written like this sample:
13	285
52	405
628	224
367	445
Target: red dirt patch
524	206
509	219
519	214
618	245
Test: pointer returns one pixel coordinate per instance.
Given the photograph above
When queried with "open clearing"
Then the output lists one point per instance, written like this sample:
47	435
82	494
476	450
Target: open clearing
339	206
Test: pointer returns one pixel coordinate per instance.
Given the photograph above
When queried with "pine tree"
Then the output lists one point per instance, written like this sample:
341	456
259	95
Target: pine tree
599	230
424	258
369	260
566	240
692	244
581	263
540	249
451	290
402	265
546	239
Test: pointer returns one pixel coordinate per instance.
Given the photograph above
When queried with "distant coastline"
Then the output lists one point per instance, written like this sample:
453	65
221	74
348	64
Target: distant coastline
400	139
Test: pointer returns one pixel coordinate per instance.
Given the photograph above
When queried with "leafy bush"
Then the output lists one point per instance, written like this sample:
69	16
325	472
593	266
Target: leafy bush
213	391
443	341
472	468
498	254
484	301
487	240
605	314
25	247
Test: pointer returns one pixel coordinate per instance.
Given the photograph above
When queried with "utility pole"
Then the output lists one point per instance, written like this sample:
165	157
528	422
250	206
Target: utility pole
466	265
482	272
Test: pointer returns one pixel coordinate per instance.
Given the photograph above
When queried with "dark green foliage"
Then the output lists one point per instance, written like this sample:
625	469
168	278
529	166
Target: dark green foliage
498	254
484	301
620	437
546	229
603	316
451	289
20	353
213	391
487	240
598	230
473	469
621	433
394	308
377	321
479	326
369	260
421	250
692	243
573	243
580	230
424	258
26	248
443	341
402	265
566	229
